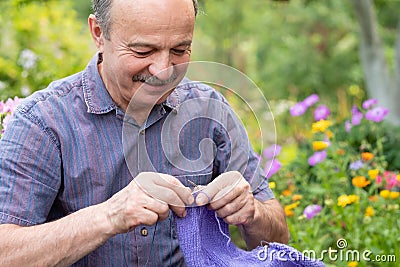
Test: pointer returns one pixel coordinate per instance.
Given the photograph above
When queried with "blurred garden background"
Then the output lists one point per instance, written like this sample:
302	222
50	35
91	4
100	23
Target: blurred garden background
330	71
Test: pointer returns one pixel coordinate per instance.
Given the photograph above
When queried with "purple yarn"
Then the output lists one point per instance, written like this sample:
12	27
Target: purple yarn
203	244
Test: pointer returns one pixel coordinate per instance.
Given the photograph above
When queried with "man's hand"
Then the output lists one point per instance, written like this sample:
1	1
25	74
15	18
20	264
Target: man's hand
230	196
146	200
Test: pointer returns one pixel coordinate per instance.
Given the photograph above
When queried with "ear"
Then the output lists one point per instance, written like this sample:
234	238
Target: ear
96	32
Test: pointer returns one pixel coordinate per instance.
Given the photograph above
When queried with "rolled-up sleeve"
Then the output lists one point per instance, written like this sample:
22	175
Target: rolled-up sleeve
30	173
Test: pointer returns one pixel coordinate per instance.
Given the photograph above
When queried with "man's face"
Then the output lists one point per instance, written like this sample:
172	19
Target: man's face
147	38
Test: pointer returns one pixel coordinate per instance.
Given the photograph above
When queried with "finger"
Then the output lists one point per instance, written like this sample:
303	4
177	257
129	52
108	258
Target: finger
158	207
238	193
164	204
183	192
164	195
242	217
165	188
218	187
149	217
233	206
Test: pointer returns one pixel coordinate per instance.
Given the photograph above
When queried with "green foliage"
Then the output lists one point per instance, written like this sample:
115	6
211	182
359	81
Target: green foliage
41	41
333	181
283	46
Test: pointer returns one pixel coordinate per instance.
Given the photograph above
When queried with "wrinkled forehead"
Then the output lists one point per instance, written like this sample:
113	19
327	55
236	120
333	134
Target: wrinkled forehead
166	18
150	10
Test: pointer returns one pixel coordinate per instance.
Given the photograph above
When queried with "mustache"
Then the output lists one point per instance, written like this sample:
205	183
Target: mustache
154	80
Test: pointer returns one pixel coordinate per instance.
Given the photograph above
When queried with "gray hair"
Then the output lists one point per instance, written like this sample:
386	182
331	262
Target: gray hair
102	12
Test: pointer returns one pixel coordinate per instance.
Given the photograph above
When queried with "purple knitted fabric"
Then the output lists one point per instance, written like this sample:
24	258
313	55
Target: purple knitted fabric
203	244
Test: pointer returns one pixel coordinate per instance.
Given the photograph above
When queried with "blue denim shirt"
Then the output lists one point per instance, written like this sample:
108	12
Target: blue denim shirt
63	150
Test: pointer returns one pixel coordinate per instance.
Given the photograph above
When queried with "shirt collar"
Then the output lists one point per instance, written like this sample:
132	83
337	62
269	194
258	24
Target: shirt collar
174	100
97	98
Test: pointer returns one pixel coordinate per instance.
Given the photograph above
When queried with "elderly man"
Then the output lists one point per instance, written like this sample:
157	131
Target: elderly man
67	193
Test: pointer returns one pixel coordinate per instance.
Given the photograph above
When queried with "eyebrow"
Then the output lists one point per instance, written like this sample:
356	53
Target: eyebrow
139	44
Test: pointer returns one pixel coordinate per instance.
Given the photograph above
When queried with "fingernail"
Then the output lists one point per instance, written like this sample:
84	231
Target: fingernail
201	200
184	214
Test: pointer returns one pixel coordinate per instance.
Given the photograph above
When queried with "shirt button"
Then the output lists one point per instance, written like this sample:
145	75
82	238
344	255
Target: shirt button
144	231
142	132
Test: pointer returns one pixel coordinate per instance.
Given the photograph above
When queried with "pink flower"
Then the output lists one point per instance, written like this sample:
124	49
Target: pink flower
356	116
369	103
391	180
318	157
377	114
271	167
272	151
321	113
298	109
348	126
311	100
311	211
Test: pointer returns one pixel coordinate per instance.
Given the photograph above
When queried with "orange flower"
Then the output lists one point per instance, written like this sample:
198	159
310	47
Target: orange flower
373	174
352	264
329	134
360	181
286	193
367	156
373	198
289	213
341	152
289	208
297	197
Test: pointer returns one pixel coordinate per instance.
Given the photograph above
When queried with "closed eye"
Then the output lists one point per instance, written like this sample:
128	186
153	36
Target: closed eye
142	54
179	52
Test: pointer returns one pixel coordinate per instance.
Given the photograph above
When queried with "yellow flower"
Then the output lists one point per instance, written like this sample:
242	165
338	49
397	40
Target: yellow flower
293	205
367	156
385	194
289	208
345	200
369	212
373	173
320	145
398	177
353	264
320	126
360	181
272	185
297	197
394	195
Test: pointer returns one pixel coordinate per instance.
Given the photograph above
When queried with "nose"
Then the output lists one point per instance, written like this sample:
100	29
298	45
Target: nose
162	67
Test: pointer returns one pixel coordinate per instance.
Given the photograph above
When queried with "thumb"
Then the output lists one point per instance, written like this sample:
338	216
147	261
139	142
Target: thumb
218	187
